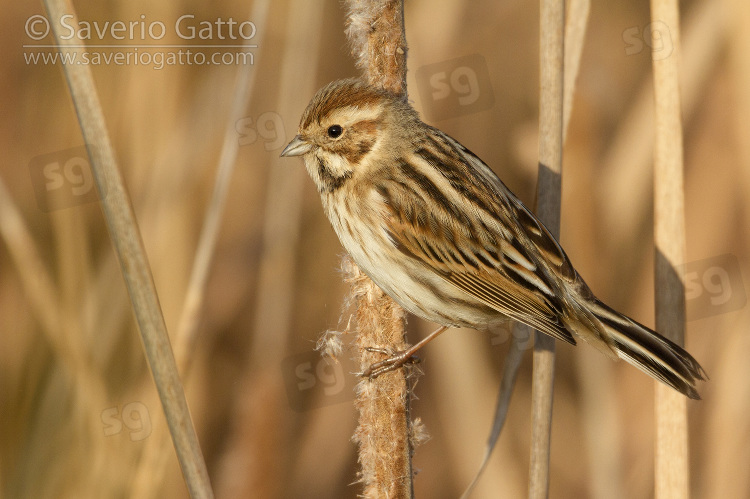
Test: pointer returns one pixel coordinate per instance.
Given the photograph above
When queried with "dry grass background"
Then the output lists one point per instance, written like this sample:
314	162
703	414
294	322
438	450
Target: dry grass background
70	358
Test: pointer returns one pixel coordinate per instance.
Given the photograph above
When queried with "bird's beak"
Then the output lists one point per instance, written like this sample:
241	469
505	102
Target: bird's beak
297	147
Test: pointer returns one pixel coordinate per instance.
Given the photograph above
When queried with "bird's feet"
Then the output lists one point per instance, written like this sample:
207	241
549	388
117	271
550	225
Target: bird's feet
391	363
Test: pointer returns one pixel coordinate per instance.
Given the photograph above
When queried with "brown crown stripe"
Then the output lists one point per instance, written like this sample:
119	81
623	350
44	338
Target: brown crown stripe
337	95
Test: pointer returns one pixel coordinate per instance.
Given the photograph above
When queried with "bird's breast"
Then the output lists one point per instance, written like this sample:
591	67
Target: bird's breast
361	225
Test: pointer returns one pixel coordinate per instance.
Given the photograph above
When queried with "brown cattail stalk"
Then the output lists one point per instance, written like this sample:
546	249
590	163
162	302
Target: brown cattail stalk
671	475
376	31
552	25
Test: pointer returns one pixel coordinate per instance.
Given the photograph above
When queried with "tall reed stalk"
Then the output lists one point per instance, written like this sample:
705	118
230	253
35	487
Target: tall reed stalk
126	239
671	473
551	61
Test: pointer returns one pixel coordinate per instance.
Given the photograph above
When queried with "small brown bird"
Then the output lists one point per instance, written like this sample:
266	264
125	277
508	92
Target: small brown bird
433	226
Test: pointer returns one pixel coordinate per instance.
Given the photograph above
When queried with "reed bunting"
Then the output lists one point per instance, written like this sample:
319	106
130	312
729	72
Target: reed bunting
433	226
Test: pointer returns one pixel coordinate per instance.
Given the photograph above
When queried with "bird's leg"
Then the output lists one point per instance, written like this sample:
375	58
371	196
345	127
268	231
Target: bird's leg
397	359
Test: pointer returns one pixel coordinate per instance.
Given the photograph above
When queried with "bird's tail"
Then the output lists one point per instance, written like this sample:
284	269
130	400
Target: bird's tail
649	351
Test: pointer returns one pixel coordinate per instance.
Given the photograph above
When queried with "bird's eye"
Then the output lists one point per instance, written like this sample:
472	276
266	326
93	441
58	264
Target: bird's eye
335	131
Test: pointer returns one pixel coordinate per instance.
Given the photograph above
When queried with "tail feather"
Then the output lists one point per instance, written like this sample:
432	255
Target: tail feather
650	352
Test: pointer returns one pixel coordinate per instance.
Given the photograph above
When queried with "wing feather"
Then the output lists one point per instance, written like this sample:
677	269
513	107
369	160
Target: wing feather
496	251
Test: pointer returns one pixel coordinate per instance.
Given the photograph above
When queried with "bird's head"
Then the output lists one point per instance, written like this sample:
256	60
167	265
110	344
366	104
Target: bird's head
342	129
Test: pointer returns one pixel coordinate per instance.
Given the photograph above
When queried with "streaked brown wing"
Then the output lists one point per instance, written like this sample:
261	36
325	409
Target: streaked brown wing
485	265
512	262
482	184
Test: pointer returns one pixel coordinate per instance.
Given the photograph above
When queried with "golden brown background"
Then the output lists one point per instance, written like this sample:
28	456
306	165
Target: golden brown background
78	412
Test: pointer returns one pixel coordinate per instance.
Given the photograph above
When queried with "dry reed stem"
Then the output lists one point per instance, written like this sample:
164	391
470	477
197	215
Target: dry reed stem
511	364
738	12
626	186
575	33
626	180
282	213
598	400
671	480
152	465
552	25
277	278
195	296
43	297
576	20
376	31
126	239
35	277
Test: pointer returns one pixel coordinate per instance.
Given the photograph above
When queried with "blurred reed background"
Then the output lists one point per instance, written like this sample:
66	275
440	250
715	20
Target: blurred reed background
78	412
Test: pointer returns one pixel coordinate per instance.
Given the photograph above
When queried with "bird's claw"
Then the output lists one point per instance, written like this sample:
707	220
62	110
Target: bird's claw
391	363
